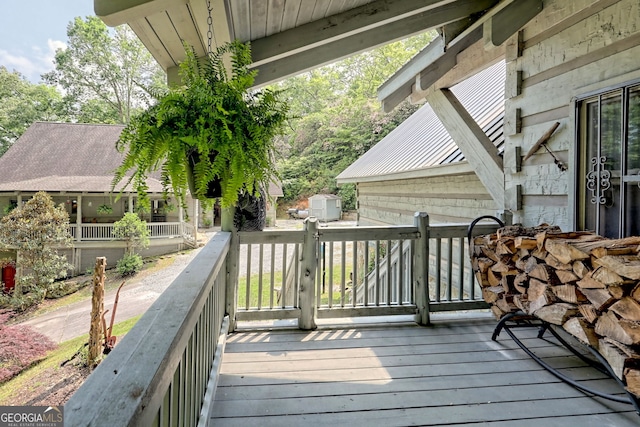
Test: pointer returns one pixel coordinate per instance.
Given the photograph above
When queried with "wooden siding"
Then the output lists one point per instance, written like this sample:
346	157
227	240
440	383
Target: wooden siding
450	373
456	198
570	49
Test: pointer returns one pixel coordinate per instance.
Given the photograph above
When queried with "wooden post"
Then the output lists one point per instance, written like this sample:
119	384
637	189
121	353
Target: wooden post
308	267
97	308
232	267
421	268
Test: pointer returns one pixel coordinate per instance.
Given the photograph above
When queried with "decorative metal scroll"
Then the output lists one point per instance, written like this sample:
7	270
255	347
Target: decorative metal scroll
598	180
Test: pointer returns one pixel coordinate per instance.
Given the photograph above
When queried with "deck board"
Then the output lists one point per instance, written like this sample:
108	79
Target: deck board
448	374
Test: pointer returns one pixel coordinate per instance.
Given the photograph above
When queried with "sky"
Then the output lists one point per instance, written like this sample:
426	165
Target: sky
32	30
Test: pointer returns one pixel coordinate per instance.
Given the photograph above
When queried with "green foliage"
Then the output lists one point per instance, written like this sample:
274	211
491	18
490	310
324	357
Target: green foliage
129	264
133	230
24	103
104	209
106	74
36	229
338	118
213	118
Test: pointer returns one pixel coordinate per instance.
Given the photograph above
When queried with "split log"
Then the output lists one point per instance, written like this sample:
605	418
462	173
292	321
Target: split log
607	277
555	263
506	304
602	252
582	330
491	294
543	300
627	308
505	247
483	264
545	273
521	283
497	312
632	378
536	289
635	292
588	282
493	278
614	356
580	269
565	276
521	302
569	293
625	265
600	298
525	242
588	312
556	314
563	251
632	329
609	326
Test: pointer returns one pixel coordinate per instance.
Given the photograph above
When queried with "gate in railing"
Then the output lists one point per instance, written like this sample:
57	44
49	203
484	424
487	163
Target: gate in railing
357	271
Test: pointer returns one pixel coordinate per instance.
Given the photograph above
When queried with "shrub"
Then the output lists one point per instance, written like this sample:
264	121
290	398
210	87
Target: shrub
129	264
20	347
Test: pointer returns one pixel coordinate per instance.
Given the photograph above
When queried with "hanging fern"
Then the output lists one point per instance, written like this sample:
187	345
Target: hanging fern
214	118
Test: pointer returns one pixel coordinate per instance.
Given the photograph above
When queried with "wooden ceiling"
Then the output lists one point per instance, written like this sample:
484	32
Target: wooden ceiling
287	36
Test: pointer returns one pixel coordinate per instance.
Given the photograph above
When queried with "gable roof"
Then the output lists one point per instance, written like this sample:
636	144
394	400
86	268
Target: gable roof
421	142
64	157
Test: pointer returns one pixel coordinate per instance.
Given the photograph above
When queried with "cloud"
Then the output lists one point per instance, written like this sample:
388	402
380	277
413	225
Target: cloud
37	63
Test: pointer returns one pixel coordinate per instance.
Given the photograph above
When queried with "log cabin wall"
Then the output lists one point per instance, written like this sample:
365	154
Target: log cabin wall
570	49
450	198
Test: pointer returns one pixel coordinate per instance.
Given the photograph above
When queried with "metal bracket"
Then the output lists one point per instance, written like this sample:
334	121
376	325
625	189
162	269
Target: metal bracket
542	142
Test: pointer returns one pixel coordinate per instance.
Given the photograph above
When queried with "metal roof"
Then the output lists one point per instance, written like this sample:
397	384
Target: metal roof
422	141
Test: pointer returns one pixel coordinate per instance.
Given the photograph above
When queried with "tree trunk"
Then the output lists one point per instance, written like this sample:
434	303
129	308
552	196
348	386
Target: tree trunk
97	308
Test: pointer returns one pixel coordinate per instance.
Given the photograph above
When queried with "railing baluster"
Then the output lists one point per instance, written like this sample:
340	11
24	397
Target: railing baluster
330	301
260	269
283	291
461	268
343	279
248	279
354	274
400	272
449	267
388	275
366	273
377	265
273	275
438	268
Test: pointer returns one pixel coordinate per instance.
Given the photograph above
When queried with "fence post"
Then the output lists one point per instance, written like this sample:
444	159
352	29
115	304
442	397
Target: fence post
421	266
232	267
308	267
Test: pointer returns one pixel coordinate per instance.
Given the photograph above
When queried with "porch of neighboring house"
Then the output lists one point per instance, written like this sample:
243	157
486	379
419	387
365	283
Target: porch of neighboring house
334	325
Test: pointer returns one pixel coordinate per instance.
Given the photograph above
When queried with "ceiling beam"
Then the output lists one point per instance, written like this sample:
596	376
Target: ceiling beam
476	146
341	48
118	12
367	17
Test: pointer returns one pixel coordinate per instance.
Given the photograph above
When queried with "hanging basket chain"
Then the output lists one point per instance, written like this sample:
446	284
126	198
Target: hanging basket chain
210	27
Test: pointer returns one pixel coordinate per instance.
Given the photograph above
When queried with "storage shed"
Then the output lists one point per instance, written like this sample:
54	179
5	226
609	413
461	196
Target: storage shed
325	207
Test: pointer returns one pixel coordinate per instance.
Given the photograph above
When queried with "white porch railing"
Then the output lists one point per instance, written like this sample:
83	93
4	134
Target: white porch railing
164	371
157	230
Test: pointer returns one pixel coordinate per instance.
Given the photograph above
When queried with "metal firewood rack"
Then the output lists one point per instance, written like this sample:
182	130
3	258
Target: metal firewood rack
522	320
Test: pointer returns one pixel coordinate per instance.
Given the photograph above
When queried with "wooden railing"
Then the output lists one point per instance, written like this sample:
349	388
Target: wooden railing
164	371
360	271
158	230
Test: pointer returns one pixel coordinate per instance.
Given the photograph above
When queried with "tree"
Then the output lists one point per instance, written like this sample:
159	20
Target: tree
134	231
36	230
337	118
112	71
22	103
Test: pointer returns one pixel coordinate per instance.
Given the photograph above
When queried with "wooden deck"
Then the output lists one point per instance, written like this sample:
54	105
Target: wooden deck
396	375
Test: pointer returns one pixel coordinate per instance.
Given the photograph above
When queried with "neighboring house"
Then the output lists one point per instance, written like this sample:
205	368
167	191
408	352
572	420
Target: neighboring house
74	163
571	63
419	167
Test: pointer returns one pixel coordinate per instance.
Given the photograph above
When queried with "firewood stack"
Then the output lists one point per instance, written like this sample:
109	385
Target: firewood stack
583	282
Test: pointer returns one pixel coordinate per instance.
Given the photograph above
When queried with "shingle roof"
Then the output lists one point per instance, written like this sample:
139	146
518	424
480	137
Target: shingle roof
64	157
422	141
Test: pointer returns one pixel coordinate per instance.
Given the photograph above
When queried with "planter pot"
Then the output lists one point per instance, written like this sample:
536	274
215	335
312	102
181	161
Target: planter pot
251	212
214	189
